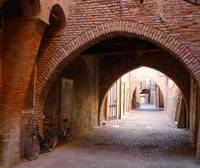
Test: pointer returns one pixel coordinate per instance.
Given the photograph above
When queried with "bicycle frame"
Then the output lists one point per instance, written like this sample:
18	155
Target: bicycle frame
66	133
35	140
41	139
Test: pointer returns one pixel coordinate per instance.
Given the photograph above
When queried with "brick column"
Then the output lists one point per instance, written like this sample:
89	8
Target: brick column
198	125
21	42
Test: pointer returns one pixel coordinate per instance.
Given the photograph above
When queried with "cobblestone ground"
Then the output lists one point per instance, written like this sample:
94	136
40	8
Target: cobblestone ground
141	139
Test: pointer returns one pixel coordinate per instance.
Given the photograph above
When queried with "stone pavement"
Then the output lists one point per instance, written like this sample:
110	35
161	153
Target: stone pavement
141	139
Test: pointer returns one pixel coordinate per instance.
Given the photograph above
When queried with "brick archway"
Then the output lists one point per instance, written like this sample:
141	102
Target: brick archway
107	30
161	89
102	32
73	48
151	77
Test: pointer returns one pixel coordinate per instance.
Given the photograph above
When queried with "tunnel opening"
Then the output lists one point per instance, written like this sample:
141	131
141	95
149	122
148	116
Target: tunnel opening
145	89
149	92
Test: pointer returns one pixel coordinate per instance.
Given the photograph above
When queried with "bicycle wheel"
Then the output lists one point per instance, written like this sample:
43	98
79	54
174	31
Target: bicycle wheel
55	131
51	140
32	147
56	140
68	136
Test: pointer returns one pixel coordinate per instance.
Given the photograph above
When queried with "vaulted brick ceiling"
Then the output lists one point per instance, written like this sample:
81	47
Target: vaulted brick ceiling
121	54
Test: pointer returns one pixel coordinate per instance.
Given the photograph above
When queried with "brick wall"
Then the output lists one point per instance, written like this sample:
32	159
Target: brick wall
194	2
93	21
20	45
85	95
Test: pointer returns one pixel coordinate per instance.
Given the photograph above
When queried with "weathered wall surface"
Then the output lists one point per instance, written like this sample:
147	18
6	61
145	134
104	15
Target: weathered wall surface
173	25
19	51
22	26
84	73
172	94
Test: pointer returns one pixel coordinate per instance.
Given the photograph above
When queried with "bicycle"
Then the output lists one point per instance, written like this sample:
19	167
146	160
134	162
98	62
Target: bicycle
66	133
34	140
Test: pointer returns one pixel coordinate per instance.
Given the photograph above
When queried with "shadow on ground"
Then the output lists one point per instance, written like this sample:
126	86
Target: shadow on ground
142	139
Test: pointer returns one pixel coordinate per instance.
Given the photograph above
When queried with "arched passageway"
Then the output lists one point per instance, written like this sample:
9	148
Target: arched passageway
148	91
94	70
111	58
26	65
145	86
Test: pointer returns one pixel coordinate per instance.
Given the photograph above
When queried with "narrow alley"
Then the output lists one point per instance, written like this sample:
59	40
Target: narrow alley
143	138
